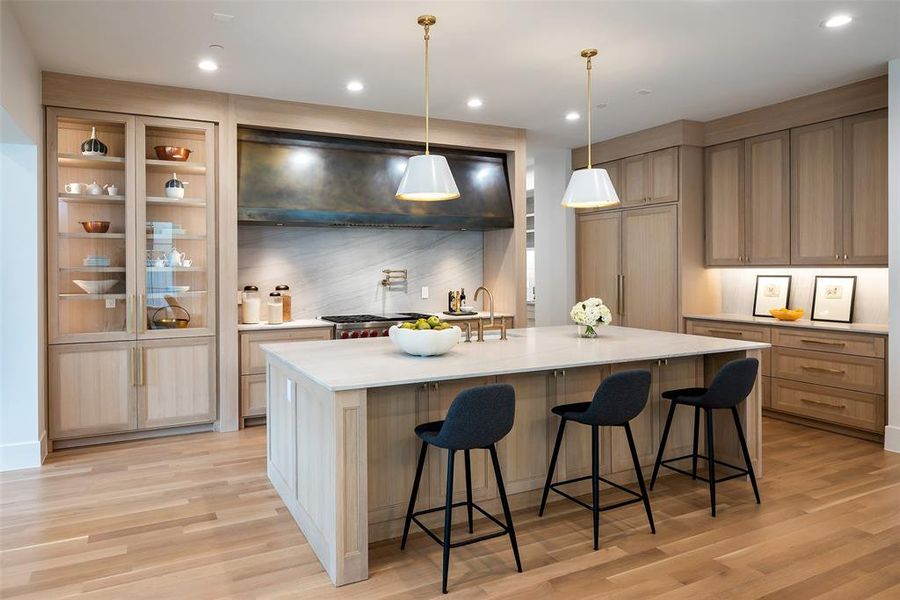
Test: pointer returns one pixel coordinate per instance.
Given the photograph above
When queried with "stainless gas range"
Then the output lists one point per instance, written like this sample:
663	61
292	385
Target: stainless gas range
350	327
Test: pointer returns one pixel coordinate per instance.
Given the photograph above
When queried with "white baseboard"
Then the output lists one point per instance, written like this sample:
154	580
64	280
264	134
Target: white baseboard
24	455
892	438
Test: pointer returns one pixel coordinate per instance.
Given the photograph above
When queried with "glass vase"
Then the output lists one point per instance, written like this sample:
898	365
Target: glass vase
587	331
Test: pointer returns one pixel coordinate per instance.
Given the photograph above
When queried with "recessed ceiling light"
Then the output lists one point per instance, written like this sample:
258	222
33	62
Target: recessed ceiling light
474	103
572	116
222	17
208	65
355	86
837	21
644	92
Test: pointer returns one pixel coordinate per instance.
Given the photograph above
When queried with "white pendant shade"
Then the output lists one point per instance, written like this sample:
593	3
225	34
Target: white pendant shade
590	188
428	179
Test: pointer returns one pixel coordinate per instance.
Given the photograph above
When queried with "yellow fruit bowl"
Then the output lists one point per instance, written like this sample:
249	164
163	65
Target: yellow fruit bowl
786	314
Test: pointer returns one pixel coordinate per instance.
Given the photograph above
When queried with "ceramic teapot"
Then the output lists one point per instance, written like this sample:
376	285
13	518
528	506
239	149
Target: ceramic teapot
175	187
94	189
174	258
92	146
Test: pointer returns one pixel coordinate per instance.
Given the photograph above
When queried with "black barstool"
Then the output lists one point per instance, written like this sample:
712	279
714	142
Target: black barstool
731	386
478	418
619	398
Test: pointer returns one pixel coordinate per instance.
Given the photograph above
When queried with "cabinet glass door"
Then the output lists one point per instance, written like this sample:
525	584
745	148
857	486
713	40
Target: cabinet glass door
90	225
176	227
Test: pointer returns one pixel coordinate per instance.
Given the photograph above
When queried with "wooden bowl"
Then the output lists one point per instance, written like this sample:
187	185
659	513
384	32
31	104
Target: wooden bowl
786	314
95	226
172	153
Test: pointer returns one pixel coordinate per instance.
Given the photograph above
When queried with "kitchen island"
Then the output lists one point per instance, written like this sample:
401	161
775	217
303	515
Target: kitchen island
342	452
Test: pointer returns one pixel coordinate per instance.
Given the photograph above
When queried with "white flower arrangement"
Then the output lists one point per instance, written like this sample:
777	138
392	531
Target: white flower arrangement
591	313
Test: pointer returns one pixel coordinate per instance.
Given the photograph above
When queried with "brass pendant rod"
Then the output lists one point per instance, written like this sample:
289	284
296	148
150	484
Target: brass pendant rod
589	111
427	37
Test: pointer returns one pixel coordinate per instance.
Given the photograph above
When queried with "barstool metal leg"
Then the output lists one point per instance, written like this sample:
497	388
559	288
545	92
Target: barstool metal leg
640	477
595	482
746	451
469	489
501	490
412	497
696	442
448	512
711	459
662	444
552	469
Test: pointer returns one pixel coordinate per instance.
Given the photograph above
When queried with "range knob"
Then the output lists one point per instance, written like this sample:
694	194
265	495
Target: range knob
354	335
373	333
386	332
344	335
364	333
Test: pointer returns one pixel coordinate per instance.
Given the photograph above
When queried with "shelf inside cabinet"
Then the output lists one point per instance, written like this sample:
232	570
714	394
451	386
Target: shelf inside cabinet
81	235
174	236
91	199
83	296
91	162
93	269
175	269
159	295
175	166
187	202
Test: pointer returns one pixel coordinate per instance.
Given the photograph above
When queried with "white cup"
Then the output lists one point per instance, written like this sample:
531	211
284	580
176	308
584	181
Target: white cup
112	190
187	262
75	188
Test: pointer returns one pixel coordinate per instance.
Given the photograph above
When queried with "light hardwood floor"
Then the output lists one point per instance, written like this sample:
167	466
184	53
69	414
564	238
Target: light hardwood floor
195	517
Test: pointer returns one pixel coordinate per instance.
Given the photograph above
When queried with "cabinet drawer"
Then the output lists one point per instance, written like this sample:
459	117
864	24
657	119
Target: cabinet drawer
253	360
828	368
858	344
253	395
843	407
734	331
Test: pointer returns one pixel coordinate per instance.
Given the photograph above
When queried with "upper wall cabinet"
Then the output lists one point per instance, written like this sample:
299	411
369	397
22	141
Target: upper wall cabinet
816	194
866	189
650	178
748	201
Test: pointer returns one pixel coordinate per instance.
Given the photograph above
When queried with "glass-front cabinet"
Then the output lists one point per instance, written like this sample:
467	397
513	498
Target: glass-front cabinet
131	272
132	225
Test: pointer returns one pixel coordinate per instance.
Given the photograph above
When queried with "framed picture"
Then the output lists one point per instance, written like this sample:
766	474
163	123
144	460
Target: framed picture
833	298
772	291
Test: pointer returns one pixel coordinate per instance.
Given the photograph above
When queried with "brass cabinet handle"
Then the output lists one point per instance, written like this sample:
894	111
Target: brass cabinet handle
139	311
845	257
816	369
823	403
623	296
131	367
824	342
434	387
727	332
837	257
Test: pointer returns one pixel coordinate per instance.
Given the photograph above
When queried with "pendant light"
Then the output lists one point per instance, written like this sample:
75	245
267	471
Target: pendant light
427	177
589	188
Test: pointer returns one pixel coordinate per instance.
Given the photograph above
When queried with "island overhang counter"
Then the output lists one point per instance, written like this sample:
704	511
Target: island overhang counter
341	451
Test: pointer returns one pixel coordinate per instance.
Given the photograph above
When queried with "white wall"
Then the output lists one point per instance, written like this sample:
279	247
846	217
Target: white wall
22	369
333	271
554	235
892	431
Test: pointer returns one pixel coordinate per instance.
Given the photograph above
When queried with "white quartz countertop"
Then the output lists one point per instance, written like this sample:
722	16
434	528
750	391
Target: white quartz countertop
377	363
294	324
802	323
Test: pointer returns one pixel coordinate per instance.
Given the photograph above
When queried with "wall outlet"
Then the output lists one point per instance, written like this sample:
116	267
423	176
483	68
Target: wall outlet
424	292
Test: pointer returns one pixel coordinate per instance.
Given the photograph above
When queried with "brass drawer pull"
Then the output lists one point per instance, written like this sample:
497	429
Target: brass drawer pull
823	403
824	342
726	331
815	369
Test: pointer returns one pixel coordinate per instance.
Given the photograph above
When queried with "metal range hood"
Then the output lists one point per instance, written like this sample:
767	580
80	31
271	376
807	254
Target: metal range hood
290	178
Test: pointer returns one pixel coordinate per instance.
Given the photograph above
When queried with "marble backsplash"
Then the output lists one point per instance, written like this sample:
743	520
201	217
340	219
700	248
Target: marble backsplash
339	270
871	301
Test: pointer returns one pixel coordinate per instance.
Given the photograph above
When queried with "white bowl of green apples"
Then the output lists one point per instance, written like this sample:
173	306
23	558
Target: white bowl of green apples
425	337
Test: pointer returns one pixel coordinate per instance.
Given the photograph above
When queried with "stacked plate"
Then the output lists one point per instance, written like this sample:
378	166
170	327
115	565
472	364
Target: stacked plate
96	261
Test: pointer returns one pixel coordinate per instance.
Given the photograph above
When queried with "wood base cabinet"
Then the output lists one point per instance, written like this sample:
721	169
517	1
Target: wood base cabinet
98	389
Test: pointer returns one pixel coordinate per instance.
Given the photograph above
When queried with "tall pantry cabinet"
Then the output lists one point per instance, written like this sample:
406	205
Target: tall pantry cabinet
131	276
632	255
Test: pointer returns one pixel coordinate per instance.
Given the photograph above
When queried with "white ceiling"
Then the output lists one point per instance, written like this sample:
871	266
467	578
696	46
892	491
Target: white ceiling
701	59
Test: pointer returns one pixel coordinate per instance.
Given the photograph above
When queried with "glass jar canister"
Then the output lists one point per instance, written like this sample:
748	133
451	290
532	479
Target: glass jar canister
251	304
275	311
285	292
